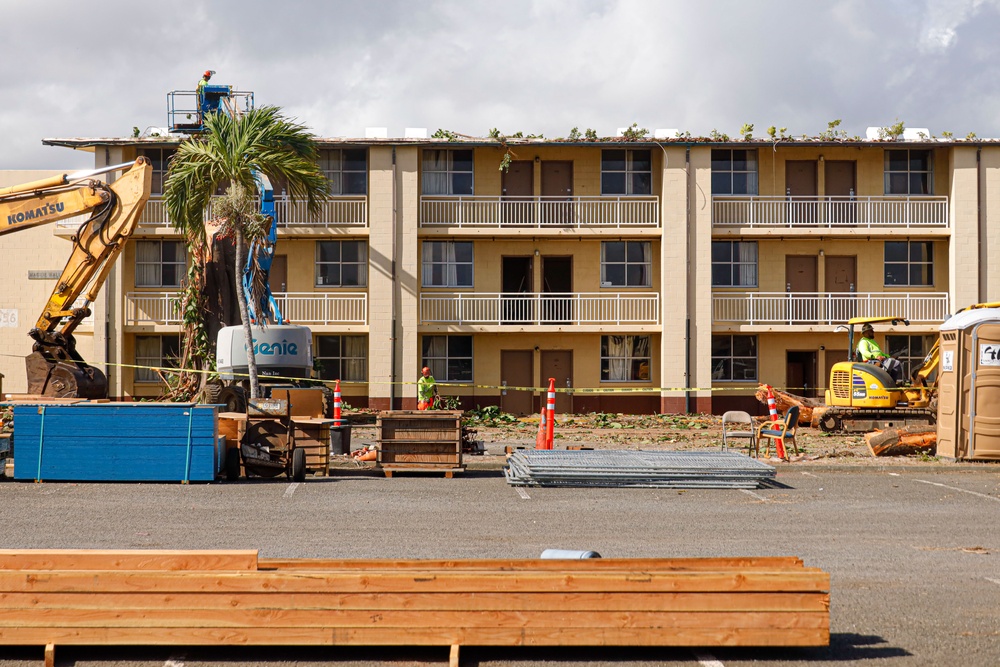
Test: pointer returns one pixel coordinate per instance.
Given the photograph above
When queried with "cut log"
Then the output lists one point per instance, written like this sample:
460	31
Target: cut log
784	400
901	441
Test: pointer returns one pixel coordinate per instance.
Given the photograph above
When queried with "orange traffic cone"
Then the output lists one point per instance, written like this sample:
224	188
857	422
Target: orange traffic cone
540	438
779	446
550	414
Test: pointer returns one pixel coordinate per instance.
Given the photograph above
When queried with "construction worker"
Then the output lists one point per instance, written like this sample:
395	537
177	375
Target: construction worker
870	352
204	80
427	392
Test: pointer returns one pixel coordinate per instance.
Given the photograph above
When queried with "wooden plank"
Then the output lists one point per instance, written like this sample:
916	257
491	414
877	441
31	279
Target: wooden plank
388	619
427	581
548	602
376	636
534	564
111	559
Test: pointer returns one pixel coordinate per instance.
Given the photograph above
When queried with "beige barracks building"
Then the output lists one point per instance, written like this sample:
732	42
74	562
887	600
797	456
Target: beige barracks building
661	275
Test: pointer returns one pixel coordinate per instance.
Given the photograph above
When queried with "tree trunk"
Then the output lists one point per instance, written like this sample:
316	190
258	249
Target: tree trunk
245	315
902	441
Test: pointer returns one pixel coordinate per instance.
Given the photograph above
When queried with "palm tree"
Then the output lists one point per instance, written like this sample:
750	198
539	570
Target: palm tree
227	155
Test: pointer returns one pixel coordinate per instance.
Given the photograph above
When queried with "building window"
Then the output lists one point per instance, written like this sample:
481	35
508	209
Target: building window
447	172
448	357
908	172
909	263
734	264
346	169
625	359
341	264
910	351
734	358
625	264
155	352
734	172
625	172
159	263
160	159
342	358
447	264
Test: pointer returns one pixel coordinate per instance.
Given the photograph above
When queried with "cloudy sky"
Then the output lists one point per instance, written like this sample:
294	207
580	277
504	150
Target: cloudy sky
79	69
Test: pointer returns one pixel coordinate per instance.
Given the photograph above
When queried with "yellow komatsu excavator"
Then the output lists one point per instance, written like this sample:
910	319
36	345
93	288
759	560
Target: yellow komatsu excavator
862	396
54	366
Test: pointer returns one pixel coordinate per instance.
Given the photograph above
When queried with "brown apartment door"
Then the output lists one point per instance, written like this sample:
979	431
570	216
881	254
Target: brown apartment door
800	372
517	370
840	278
801	187
278	277
557	188
558	364
518	187
801	286
840	184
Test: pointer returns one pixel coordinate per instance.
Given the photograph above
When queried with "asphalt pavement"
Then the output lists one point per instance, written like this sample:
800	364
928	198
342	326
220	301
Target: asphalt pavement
913	553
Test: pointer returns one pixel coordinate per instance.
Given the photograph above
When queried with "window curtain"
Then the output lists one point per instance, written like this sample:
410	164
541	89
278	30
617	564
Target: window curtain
746	264
147	264
435	172
645	279
355	363
752	172
147	353
618	351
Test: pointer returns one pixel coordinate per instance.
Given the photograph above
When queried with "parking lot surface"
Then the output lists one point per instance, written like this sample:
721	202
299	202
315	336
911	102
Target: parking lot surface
913	553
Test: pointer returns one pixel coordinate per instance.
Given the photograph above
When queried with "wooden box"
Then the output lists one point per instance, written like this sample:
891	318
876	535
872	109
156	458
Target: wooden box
412	440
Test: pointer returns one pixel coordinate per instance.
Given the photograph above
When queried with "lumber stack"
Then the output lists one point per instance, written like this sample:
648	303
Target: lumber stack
117	442
75	597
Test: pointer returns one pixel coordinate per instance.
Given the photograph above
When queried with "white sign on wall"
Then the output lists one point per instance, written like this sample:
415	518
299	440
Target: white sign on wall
8	317
948	361
989	354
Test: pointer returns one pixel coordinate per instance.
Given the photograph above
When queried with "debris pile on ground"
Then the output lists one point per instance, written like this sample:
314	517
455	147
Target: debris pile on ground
602	468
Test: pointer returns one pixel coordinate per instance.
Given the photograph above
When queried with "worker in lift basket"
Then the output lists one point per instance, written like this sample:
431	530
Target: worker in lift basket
870	352
427	391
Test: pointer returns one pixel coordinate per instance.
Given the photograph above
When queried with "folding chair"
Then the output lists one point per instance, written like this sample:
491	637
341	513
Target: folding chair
783	429
731	428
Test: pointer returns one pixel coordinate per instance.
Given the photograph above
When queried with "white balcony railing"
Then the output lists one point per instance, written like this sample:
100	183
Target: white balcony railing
537	309
825	307
342	210
845	212
297	307
538	212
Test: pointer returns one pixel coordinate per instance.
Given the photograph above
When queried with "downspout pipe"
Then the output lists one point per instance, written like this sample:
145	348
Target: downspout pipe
395	290
687	321
983	238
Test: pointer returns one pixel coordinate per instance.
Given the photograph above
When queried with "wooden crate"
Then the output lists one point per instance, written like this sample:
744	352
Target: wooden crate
421	441
311	434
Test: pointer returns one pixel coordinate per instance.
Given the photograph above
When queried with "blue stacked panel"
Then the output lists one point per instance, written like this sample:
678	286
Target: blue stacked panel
117	442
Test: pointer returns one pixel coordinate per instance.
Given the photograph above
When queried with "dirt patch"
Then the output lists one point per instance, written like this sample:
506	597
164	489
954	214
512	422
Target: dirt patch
649	432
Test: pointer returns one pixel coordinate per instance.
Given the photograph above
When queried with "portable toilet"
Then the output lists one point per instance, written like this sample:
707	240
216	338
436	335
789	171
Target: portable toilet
968	422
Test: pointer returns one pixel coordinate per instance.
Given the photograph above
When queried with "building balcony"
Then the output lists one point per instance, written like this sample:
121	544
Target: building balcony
825	308
334	211
780	214
308	308
627	308
539	212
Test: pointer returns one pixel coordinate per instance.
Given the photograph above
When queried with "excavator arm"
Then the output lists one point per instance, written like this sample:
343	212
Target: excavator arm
54	367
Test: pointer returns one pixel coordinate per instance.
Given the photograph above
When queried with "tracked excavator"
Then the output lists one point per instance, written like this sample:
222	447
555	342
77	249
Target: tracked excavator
54	367
863	397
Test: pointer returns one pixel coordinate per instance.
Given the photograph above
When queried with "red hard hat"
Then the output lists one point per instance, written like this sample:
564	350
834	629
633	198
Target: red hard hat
208	72
425	370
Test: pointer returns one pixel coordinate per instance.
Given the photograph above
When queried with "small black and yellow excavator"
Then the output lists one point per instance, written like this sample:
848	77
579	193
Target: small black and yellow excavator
862	396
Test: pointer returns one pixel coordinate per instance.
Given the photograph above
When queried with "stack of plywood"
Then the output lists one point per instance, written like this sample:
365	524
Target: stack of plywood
117	442
420	440
73	597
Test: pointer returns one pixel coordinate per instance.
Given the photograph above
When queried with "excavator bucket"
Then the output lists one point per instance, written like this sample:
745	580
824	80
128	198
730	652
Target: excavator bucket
61	379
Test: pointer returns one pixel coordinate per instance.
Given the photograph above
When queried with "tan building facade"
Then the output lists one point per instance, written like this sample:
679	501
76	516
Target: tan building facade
644	276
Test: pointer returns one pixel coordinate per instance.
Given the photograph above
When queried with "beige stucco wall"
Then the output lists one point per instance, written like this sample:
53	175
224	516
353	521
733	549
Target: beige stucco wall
964	245
674	264
989	256
699	271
